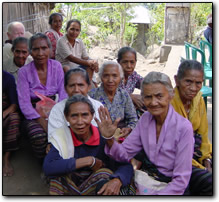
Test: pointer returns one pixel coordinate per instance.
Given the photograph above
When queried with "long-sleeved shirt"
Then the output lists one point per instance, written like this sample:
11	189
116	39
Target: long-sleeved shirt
55	165
172	154
28	82
121	106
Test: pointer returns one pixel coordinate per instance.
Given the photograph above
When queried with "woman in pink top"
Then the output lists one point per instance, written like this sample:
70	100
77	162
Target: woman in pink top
55	22
164	138
44	76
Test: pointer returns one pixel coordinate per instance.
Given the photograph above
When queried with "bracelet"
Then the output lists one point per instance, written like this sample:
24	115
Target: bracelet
108	138
94	161
209	160
115	135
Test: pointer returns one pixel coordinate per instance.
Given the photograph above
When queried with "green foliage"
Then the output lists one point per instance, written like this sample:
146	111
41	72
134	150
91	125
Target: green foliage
198	20
110	18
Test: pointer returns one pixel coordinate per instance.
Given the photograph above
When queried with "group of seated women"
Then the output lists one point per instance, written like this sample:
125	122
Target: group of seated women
94	140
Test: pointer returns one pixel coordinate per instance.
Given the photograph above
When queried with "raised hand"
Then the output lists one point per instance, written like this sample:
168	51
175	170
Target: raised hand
106	126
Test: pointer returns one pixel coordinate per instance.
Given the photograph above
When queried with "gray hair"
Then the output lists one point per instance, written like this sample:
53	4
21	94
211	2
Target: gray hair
77	98
13	24
158	77
189	65
111	63
39	36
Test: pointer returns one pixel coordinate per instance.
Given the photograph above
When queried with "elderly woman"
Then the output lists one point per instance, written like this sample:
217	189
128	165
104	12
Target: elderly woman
55	22
20	56
71	52
163	136
78	163
127	58
189	103
76	81
44	76
10	121
114	98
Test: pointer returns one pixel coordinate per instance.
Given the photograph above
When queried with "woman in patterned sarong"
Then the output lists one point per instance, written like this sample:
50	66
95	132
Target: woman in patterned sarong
44	76
11	121
76	162
189	103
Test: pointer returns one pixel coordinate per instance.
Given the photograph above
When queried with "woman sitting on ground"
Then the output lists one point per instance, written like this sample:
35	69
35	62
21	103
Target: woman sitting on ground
189	103
55	22
164	138
11	121
20	56
71	51
78	163
76	81
46	77
114	98
127	58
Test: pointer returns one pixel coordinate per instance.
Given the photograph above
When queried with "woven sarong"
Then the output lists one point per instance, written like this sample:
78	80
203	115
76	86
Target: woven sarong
83	183
37	137
11	125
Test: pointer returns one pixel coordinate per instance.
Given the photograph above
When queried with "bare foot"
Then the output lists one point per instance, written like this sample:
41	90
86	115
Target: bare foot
7	167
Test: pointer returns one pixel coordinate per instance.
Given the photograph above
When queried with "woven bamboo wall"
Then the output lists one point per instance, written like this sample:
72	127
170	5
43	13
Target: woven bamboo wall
34	16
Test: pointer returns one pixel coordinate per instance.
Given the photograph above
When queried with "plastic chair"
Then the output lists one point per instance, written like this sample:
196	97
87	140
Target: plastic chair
191	53
206	91
206	46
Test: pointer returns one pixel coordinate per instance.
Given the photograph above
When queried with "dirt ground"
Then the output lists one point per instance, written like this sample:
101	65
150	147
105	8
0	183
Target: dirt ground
28	177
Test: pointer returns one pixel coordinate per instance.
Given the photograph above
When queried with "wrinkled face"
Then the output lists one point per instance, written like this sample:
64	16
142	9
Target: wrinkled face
190	84
79	118
56	23
128	63
73	30
20	54
76	85
111	78
16	31
156	98
40	51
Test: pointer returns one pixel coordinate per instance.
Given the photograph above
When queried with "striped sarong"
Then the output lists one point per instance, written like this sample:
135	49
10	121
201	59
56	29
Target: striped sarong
11	131
201	182
37	137
84	183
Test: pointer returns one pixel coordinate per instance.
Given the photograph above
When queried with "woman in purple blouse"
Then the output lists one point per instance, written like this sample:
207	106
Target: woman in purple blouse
127	58
44	76
164	138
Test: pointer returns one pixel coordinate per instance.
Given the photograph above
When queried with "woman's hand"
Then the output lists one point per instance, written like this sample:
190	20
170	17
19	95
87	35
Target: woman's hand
98	164
12	108
93	64
106	127
137	100
111	188
44	123
125	132
207	165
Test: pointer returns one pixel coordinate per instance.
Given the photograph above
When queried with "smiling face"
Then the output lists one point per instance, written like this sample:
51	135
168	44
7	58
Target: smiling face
128	63
56	23
111	78
76	85
79	118
40	51
190	84
20	54
156	98
73	30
